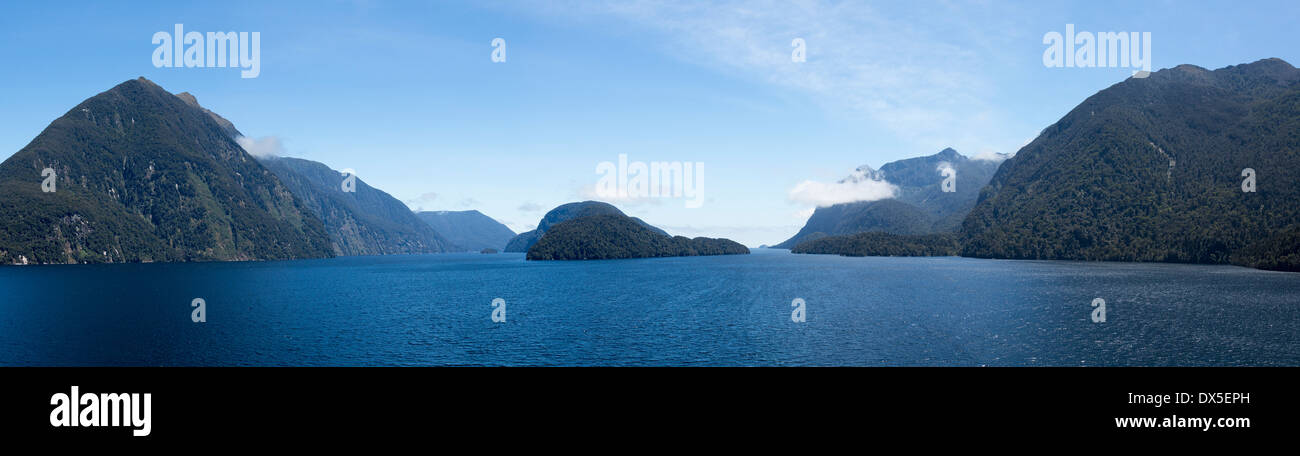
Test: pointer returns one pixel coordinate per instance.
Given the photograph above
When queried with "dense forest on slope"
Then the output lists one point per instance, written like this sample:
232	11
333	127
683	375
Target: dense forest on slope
876	243
564	212
364	222
612	236
468	230
920	206
1151	170
144	176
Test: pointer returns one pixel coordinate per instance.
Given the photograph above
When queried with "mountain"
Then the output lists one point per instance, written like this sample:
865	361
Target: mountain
141	176
469	230
226	126
612	236
525	240
365	222
920	205
878	243
1152	169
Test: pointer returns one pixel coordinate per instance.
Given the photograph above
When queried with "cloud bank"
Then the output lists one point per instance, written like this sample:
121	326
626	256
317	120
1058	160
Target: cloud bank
266	146
846	191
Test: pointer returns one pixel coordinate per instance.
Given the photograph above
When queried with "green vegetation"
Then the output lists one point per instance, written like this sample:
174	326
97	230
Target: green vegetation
1151	170
564	212
1146	170
877	243
611	236
143	176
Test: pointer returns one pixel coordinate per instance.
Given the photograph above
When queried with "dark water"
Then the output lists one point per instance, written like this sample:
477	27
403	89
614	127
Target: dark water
733	310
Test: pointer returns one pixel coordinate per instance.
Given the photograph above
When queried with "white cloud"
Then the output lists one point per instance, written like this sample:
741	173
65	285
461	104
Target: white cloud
911	72
417	204
990	155
846	191
945	166
266	146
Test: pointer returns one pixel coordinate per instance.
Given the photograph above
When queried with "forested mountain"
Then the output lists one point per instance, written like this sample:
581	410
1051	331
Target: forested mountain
1152	169
563	212
876	243
362	222
611	236
468	230
1149	169
920	206
142	175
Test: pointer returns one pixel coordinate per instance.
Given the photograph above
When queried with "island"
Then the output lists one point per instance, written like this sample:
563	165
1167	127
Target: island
613	236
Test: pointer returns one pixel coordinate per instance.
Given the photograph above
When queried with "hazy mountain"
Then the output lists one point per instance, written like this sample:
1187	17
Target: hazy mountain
142	175
525	240
920	206
365	222
1152	170
612	236
468	230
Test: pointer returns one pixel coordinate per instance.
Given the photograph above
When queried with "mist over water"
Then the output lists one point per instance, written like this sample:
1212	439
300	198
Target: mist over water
726	310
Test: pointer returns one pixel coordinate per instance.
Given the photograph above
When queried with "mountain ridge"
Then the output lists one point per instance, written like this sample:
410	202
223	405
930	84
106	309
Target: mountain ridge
469	230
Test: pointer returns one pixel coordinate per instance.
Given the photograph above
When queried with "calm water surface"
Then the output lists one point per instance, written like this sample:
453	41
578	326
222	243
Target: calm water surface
730	310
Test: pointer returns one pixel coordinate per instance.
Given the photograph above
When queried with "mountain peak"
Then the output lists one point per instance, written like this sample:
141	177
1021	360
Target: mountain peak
189	99
949	154
146	81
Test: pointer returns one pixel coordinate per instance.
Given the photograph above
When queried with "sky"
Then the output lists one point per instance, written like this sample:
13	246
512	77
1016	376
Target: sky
407	93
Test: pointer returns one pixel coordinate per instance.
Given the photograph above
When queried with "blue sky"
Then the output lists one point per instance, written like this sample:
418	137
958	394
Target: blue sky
406	93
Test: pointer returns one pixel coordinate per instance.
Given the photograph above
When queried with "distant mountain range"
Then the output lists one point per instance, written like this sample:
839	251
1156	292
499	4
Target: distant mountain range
468	230
920	205
1149	169
564	212
366	221
141	175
